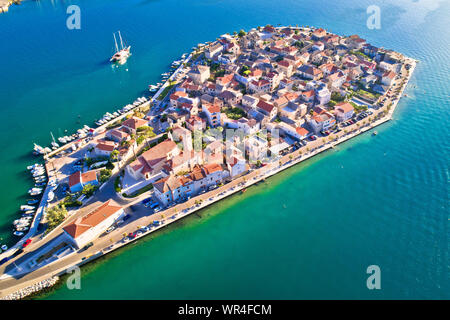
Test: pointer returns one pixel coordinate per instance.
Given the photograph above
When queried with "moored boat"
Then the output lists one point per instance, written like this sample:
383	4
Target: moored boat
26	208
121	55
32	201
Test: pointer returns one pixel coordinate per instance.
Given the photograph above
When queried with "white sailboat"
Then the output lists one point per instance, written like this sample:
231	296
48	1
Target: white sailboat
54	144
38	149
123	53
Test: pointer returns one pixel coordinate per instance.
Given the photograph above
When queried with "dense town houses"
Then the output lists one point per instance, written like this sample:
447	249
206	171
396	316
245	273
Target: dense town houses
291	83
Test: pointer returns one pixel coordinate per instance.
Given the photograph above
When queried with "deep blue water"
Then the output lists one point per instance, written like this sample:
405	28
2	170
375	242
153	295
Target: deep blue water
313	230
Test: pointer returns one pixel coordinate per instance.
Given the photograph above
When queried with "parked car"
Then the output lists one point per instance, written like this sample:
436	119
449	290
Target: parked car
154	205
110	229
26	243
146	200
90	244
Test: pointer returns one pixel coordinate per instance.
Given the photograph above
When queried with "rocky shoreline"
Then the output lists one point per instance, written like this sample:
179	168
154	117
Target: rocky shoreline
32	289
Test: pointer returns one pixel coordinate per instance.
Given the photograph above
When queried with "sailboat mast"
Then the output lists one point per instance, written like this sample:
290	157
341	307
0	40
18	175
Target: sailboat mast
121	42
115	42
53	137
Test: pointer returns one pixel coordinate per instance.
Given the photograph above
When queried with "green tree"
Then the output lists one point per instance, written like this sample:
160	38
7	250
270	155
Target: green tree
88	190
114	156
105	174
241	33
55	216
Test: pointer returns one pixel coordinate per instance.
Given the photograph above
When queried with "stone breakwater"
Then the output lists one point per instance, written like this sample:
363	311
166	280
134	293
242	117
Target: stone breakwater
22	293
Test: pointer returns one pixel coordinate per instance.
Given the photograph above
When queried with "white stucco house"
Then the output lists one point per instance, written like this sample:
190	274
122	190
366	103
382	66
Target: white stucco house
89	227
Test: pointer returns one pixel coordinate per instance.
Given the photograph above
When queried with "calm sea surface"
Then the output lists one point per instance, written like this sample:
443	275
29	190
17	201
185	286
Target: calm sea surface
309	232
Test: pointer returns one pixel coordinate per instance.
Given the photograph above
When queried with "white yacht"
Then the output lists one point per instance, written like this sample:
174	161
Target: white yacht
121	55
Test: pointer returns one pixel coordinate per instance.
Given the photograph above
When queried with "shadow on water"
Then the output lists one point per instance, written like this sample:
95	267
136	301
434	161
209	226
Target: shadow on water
28	156
147	2
104	63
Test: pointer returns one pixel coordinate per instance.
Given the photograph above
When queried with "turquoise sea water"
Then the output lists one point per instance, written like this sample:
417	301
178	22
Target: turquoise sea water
309	232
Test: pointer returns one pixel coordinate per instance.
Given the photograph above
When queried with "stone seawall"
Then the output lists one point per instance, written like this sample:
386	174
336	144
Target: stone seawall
22	293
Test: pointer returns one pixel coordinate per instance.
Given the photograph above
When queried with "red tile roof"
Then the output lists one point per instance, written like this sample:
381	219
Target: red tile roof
212	108
283	63
74	178
211	168
88	176
302	131
265	106
134	123
158	152
344	106
82	224
106	146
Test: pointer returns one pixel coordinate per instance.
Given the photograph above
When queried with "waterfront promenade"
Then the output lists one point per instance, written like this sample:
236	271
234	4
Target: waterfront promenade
113	241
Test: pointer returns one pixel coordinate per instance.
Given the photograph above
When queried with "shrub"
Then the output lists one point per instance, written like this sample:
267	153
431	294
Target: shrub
55	216
117	186
88	190
109	165
105	174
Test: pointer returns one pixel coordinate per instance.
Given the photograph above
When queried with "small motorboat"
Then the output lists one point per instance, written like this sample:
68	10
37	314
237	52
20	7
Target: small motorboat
36	170
18	233
4	247
35	192
35	166
38	174
32	201
26	208
374	133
